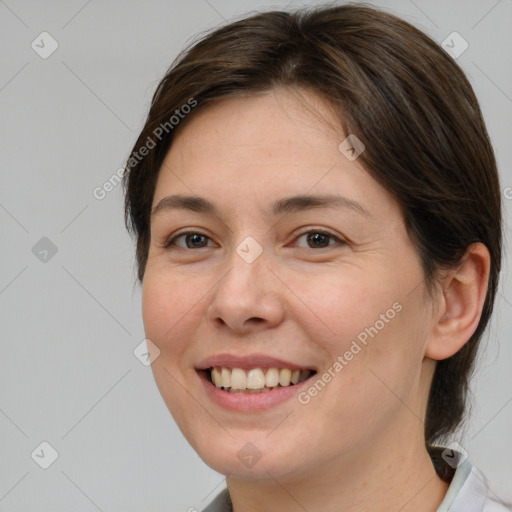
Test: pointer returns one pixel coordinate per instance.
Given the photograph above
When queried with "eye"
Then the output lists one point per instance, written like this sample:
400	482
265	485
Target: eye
196	240
318	239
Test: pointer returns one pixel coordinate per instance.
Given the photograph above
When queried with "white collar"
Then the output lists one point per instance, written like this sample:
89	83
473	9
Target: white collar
469	491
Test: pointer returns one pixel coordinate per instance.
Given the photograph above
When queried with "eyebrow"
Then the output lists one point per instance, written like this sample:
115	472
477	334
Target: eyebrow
280	207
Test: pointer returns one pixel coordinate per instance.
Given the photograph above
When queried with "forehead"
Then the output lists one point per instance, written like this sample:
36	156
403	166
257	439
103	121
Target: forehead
263	147
278	120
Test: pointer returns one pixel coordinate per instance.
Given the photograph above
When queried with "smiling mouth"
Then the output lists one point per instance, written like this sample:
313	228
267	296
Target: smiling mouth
255	380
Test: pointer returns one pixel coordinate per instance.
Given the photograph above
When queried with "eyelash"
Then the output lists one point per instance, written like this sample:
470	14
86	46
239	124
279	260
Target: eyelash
172	241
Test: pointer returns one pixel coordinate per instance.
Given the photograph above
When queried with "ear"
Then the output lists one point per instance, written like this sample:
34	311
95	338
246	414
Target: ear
460	304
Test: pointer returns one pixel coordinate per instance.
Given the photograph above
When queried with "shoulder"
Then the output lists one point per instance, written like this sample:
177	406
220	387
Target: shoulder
495	506
469	491
222	503
492	502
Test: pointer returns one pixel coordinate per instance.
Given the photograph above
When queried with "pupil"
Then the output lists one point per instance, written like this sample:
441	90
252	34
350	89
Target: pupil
195	238
318	237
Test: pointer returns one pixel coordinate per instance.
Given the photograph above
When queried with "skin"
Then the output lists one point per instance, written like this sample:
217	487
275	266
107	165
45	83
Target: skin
359	443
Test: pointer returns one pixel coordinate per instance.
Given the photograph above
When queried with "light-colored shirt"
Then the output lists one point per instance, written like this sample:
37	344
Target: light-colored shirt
469	491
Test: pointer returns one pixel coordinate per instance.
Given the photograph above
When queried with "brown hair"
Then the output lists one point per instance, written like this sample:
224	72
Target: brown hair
401	94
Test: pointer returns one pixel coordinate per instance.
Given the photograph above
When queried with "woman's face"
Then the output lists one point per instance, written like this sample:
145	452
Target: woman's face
264	284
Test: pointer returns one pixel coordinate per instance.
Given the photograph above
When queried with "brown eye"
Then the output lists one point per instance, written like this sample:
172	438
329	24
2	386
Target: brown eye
192	240
320	239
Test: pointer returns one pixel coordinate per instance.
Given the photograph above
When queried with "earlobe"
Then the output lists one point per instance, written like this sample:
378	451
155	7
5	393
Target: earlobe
460	303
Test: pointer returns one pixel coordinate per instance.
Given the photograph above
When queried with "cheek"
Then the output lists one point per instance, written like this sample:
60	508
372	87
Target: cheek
168	314
348	305
376	329
167	309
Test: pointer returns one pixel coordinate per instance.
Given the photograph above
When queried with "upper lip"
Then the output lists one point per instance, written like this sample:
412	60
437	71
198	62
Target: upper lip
249	361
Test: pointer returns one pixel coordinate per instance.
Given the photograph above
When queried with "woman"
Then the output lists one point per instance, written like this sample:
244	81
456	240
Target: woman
318	228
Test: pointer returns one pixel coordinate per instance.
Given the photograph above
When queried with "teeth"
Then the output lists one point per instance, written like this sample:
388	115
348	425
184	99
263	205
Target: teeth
216	377
256	379
272	377
236	380
226	378
285	376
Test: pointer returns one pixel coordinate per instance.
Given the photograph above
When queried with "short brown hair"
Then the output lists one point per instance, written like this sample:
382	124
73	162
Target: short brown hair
426	142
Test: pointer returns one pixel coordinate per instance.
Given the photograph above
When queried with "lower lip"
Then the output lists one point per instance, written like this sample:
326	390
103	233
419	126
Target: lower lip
251	401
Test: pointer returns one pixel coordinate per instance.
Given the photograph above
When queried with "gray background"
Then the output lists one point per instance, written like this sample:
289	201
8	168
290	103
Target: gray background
69	325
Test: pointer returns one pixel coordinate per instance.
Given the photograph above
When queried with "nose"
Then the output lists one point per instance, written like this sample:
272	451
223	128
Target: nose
248	298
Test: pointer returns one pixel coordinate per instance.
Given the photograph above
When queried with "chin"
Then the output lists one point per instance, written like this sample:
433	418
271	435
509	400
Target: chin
244	460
